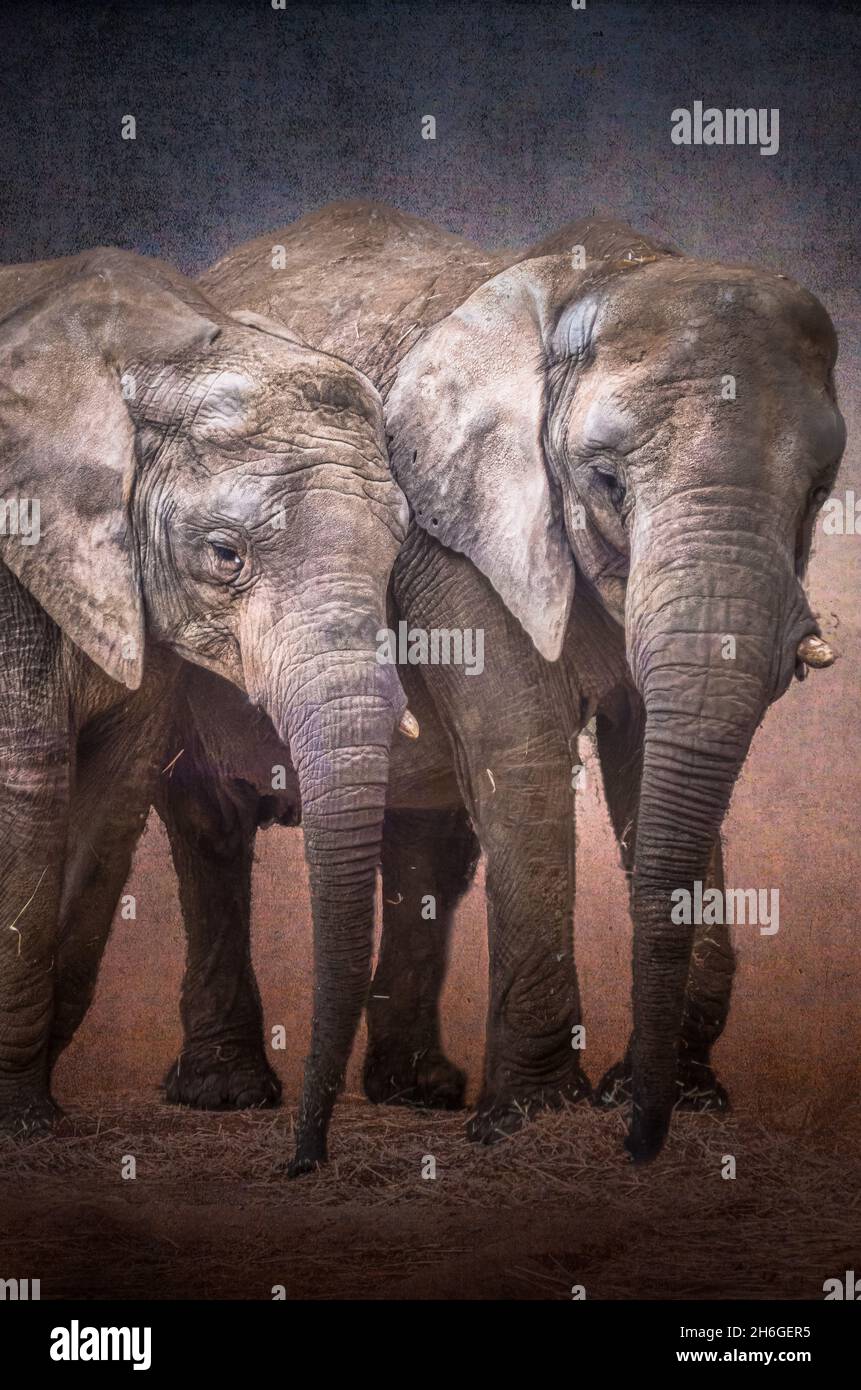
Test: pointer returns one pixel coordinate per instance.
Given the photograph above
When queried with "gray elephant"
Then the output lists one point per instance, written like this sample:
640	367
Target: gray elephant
178	488
614	456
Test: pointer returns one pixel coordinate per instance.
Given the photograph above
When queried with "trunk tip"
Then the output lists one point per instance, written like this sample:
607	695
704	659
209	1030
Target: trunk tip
646	1136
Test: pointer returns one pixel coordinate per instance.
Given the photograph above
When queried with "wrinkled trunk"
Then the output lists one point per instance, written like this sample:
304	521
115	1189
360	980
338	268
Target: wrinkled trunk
703	703
316	674
685	790
340	748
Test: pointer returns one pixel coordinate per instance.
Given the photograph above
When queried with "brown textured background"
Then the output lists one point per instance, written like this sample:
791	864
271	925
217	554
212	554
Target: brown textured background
249	117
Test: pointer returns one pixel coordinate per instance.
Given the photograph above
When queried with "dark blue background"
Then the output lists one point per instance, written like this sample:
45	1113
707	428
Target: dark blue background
248	117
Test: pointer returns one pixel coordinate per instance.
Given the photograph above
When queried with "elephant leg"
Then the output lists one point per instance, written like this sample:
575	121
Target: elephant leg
533	1054
707	1000
511	726
109	812
520	796
35	761
428	862
620	726
222	1064
33	826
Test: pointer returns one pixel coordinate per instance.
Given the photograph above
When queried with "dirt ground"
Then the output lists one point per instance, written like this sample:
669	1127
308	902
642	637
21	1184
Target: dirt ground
209	1215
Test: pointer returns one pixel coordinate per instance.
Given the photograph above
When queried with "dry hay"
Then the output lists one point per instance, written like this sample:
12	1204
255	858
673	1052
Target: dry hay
210	1214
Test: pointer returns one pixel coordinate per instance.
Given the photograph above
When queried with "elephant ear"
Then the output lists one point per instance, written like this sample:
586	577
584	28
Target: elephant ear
466	419
250	318
67	445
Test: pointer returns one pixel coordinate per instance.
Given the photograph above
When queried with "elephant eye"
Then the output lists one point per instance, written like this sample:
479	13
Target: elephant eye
228	560
613	485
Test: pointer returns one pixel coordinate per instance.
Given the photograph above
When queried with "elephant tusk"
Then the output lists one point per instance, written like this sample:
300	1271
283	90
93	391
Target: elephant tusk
409	725
813	651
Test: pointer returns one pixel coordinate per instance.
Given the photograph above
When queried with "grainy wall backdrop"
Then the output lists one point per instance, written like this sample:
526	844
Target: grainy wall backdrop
248	116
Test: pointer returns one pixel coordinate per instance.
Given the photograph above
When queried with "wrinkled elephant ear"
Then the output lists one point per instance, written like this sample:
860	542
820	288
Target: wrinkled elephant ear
465	419
67	445
250	318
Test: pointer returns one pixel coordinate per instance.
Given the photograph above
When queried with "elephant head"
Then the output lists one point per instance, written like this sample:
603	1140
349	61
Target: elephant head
663	430
206	485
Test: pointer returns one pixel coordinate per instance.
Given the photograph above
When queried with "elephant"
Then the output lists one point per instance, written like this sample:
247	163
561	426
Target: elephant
614	455
182	491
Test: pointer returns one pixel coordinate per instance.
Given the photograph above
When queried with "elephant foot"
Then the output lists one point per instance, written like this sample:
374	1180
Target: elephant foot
698	1088
28	1117
311	1153
303	1164
427	1080
222	1076
614	1088
498	1117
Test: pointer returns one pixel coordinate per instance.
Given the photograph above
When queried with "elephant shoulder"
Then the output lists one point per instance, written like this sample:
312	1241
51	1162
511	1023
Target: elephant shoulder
362	225
602	238
93	270
21	283
358	279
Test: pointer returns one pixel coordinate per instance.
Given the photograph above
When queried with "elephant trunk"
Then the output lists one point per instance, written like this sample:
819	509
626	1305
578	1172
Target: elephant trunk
712	638
686	786
337	708
341	752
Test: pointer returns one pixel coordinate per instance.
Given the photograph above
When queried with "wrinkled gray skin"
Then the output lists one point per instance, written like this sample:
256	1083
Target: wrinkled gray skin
582	492
209	491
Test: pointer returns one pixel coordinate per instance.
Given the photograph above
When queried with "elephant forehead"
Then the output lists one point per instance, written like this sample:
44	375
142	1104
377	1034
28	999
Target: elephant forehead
708	298
277	417
322	399
309	379
605	420
220	400
324	509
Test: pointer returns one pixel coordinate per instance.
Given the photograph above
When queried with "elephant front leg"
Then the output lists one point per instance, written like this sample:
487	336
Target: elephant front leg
117	767
707	1001
510	719
222	1064
712	968
33	826
535	1035
428	862
522	801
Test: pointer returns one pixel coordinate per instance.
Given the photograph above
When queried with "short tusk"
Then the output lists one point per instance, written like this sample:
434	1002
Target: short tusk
409	725
816	653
